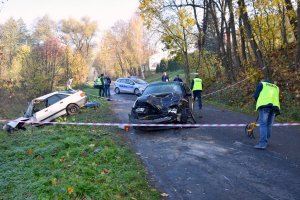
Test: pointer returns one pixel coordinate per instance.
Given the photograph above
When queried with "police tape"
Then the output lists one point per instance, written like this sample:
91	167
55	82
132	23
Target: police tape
122	125
227	87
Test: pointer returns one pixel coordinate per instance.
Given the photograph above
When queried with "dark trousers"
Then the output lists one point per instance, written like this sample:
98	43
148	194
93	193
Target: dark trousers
197	94
107	90
101	91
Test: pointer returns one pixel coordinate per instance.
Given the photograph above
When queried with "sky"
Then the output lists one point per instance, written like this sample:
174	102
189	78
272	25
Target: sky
105	12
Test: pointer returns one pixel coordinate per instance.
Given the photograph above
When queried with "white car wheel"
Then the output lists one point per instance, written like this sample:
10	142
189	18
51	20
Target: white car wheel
72	109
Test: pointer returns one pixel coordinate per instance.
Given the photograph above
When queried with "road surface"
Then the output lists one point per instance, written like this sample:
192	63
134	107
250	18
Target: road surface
216	163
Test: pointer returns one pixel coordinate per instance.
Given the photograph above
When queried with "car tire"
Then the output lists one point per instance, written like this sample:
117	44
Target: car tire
184	115
136	91
72	109
117	90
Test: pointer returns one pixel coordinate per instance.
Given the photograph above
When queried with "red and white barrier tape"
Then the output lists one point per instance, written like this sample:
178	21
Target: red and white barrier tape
146	125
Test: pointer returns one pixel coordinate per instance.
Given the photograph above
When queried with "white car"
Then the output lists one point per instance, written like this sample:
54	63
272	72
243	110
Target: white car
49	107
130	85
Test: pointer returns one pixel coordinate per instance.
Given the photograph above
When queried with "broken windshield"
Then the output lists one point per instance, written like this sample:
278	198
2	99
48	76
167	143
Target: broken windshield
163	88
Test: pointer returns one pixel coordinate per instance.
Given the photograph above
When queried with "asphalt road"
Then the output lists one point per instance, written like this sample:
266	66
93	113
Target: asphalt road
217	163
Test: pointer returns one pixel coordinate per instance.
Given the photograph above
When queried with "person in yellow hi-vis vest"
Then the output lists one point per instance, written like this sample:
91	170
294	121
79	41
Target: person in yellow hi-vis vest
100	85
268	106
196	87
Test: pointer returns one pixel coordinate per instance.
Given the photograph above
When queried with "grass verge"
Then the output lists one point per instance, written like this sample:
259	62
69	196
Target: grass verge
72	162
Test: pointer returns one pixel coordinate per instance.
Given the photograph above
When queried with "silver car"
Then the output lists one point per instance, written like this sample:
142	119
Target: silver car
130	85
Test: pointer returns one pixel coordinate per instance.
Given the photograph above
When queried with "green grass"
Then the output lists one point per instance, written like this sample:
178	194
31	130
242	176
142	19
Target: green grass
72	162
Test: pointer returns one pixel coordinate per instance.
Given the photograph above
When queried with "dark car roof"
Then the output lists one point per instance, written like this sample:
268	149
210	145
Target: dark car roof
162	83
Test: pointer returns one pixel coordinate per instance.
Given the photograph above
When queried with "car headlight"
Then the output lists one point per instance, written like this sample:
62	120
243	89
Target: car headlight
133	106
172	110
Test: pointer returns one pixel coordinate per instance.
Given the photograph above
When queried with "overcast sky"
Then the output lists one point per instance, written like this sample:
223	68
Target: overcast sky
105	12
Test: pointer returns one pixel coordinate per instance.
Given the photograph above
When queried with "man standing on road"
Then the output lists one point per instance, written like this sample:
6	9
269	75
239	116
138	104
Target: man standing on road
177	78
100	84
107	86
196	87
165	77
267	105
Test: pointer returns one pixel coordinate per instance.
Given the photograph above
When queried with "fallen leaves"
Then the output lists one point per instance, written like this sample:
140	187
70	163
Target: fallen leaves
105	171
29	151
54	181
92	145
70	190
164	194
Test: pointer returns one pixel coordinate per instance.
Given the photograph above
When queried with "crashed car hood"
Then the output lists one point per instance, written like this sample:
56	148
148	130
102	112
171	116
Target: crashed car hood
160	101
15	122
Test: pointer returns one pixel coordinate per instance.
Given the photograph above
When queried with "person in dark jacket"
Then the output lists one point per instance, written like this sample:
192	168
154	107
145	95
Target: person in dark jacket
107	86
268	106
165	77
177	78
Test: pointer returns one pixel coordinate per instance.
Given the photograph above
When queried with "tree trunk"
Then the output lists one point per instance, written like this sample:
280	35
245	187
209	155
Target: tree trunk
243	45
248	29
186	58
283	32
200	35
292	16
231	69
297	61
233	34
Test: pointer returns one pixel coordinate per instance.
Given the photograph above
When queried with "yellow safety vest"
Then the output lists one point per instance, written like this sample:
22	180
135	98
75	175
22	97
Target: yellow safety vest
98	81
268	95
197	84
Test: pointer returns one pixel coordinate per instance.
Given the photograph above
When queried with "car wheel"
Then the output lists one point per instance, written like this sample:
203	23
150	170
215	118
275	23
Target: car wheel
184	115
9	129
136	91
72	109
117	91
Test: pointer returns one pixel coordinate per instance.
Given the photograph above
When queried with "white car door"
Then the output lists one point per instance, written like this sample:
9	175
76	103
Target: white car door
54	108
130	85
123	86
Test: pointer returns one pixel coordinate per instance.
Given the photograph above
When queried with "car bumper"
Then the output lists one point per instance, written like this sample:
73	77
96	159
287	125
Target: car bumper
162	120
82	101
152	121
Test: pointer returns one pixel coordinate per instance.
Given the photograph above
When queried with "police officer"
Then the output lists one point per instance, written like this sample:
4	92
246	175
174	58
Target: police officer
99	82
196	87
177	78
267	105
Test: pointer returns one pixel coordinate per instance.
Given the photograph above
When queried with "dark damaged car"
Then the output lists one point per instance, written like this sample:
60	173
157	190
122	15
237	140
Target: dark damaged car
163	102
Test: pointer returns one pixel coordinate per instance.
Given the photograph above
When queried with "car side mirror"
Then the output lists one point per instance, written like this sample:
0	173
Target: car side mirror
138	94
